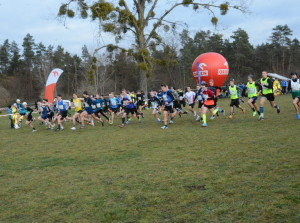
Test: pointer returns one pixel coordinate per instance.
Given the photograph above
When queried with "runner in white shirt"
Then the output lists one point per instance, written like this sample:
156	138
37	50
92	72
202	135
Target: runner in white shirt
190	99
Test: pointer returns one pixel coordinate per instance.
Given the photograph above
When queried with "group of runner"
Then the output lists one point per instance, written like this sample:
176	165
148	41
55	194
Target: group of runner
93	109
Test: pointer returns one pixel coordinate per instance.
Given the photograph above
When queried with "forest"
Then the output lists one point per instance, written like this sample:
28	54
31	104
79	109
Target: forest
24	69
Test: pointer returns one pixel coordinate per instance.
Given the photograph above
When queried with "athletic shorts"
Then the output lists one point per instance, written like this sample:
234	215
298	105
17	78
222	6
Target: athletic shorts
235	102
140	103
105	109
89	111
177	104
200	104
130	110
269	97
79	112
115	110
169	108
29	118
209	106
253	99
63	114
192	105
97	111
45	116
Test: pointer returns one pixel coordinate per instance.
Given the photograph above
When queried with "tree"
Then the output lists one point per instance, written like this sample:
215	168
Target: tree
15	62
280	39
241	56
28	59
4	56
141	20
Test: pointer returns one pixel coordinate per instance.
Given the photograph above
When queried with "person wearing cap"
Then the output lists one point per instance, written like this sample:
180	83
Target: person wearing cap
234	96
267	94
27	112
294	87
14	116
208	102
251	89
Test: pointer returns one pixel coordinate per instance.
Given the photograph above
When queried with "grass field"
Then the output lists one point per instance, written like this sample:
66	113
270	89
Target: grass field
238	170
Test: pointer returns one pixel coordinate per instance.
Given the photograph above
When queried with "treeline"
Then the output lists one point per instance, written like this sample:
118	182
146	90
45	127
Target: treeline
24	70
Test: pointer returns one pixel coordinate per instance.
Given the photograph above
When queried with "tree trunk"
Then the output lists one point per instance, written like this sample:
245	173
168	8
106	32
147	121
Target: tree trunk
143	81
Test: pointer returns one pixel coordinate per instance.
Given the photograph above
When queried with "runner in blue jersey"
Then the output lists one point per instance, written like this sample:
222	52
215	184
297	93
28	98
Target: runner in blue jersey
62	112
88	110
99	103
114	106
45	113
128	107
168	99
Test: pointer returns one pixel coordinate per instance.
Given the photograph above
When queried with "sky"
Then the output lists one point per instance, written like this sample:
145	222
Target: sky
39	18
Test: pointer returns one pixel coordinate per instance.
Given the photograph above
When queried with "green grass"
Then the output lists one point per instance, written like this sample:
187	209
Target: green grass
238	170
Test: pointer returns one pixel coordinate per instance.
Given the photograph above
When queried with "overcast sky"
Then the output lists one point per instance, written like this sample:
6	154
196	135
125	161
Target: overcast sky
38	17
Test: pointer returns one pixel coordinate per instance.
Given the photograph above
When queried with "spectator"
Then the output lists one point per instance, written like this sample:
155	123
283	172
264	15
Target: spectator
283	86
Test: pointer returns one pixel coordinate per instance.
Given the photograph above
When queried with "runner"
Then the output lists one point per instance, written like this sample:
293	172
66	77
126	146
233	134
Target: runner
99	102
62	113
45	115
27	112
168	99
154	104
217	92
199	99
114	106
190	100
128	107
77	103
267	94
294	87
235	100
140	102
251	88
208	102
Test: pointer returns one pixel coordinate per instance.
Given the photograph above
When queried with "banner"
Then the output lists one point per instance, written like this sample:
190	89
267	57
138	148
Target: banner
51	84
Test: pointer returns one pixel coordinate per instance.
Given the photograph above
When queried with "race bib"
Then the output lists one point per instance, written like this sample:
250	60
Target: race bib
76	105
61	107
98	105
251	90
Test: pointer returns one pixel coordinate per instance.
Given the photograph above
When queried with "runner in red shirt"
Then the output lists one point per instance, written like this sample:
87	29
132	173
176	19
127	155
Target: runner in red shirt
209	102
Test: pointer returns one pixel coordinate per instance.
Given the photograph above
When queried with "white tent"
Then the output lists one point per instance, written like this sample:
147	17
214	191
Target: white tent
280	77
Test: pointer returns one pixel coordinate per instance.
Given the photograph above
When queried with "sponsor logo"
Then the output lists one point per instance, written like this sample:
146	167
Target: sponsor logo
202	65
202	73
223	71
55	73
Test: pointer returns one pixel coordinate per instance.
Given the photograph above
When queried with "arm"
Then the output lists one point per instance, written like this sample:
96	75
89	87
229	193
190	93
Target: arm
244	92
289	85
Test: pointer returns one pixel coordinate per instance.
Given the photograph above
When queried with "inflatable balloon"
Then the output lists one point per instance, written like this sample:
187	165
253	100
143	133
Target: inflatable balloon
209	66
